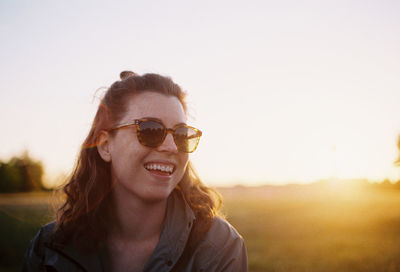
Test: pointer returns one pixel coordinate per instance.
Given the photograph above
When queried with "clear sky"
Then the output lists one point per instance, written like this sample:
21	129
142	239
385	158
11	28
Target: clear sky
284	91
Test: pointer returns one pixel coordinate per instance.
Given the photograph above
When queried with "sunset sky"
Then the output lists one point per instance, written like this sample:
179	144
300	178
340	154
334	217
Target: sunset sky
284	91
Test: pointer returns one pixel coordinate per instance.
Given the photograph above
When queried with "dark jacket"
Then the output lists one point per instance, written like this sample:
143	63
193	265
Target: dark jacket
220	249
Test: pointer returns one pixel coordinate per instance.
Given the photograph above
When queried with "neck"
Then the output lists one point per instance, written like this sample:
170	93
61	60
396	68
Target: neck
136	220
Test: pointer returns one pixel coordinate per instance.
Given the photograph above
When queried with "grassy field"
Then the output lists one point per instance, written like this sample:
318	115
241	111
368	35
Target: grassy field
21	215
284	230
319	231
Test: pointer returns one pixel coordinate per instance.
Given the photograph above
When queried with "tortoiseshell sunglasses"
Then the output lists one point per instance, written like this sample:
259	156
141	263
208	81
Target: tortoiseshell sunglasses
152	133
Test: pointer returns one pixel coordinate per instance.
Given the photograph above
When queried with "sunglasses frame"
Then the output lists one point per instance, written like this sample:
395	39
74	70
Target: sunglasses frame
137	123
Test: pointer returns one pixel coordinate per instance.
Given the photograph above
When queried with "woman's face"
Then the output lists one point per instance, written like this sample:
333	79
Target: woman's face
131	161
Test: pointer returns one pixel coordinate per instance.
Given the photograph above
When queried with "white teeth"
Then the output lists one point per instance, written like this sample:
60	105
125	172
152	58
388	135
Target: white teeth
163	168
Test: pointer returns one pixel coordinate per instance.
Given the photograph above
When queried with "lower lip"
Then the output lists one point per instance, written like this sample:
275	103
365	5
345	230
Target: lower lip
159	174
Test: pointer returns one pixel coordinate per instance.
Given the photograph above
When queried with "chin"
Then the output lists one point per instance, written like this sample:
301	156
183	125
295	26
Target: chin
157	195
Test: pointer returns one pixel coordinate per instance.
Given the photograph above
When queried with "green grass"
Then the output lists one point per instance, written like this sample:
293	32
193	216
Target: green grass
21	216
319	232
298	231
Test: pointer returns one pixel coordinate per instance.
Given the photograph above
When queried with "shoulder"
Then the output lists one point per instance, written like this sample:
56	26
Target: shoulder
44	234
42	237
34	255
222	233
222	248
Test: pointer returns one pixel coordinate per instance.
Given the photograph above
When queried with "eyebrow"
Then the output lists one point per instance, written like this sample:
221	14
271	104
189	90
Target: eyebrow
157	119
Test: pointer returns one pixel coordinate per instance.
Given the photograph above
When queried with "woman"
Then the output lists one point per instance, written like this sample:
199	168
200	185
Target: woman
134	202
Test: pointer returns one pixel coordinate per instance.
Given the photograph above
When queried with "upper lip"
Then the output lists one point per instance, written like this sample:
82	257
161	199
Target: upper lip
162	162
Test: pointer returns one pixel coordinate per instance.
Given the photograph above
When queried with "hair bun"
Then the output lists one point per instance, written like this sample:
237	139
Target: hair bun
125	74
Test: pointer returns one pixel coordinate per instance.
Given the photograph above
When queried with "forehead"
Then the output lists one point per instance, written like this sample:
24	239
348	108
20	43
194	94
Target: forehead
151	104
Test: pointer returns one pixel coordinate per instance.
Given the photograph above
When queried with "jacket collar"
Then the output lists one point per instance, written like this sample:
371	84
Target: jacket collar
89	262
175	234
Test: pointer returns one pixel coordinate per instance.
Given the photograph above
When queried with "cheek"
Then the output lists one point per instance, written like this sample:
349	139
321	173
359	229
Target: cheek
184	160
126	156
184	164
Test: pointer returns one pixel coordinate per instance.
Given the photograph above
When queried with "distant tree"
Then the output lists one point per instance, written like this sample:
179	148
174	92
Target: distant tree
386	184
398	147
21	174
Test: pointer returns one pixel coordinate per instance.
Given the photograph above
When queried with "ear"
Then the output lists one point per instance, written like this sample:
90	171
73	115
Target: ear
103	146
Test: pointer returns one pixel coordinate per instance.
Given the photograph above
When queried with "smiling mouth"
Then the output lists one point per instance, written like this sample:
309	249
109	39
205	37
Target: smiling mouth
165	169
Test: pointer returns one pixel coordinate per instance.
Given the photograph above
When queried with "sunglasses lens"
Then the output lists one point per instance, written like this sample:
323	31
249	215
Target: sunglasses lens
186	139
151	133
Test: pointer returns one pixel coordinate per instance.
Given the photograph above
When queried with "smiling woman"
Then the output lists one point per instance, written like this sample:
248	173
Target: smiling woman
134	202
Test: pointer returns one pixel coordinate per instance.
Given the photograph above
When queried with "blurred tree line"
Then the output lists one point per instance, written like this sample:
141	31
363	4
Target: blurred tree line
21	174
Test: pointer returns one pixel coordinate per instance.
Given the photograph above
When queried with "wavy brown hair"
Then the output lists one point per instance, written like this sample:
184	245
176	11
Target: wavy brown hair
86	210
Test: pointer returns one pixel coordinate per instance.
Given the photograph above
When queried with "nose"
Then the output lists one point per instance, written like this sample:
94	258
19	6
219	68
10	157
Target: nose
168	145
